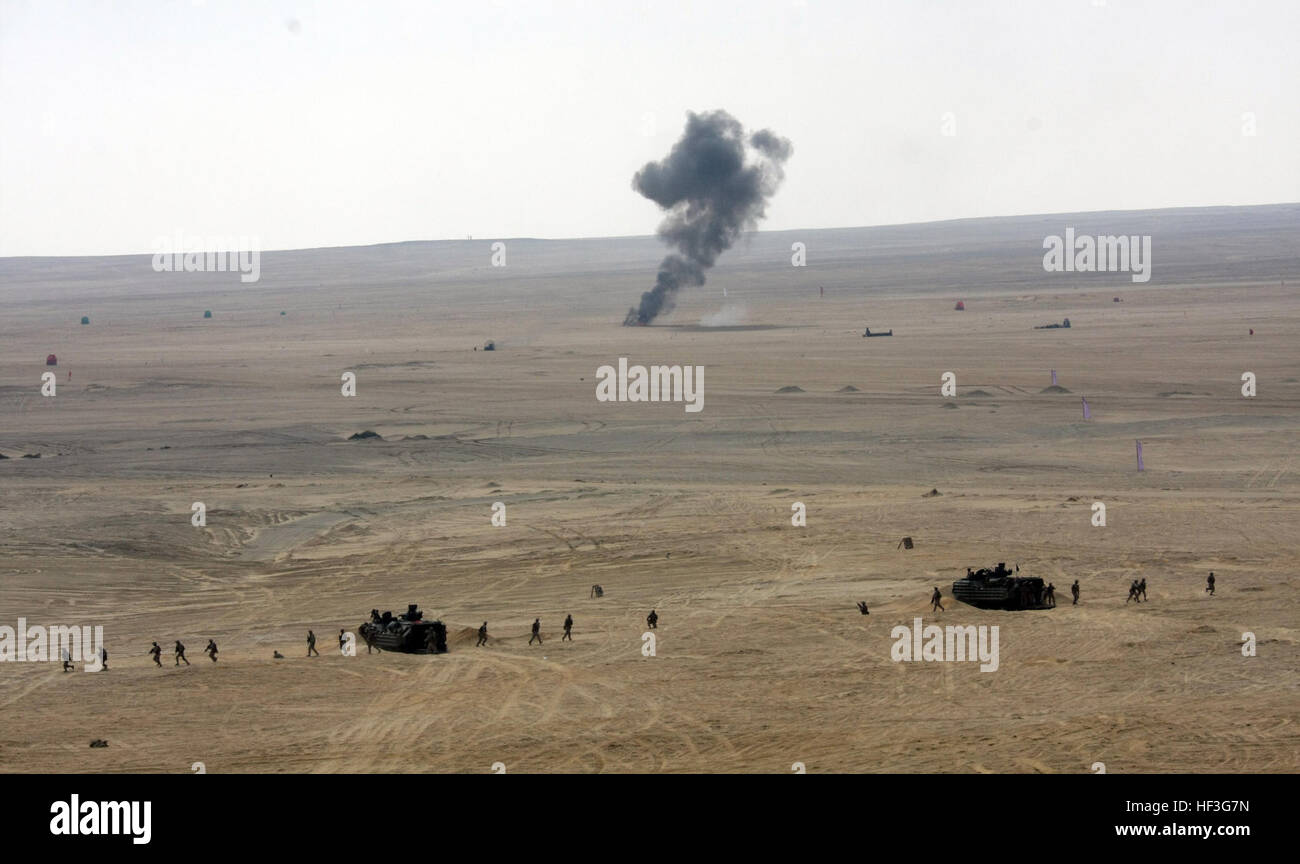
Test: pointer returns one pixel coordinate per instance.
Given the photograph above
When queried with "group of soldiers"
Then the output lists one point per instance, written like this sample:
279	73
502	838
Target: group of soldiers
1136	592
66	656
155	651
651	620
178	651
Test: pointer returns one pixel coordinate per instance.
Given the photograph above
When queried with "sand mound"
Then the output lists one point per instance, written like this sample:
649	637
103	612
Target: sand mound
362	436
1055	388
933	493
464	636
950	404
979	393
790	388
848	388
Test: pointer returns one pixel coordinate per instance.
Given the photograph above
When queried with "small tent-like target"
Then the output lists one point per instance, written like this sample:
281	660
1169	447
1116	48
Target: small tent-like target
51	360
961	306
207	313
85	319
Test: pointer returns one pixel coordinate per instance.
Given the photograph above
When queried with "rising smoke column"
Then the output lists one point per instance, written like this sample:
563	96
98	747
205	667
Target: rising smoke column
712	195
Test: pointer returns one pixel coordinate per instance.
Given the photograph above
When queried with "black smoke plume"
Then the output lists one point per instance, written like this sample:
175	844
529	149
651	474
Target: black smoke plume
712	195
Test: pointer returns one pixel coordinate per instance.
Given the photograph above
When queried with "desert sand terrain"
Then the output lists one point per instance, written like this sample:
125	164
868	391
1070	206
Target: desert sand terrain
762	659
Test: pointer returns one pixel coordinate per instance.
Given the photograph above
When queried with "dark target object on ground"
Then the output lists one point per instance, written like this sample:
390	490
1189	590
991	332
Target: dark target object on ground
408	632
1000	588
906	543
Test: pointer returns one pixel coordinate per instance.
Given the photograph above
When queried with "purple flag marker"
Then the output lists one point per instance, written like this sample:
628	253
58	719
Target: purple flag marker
1140	468
1087	414
1053	377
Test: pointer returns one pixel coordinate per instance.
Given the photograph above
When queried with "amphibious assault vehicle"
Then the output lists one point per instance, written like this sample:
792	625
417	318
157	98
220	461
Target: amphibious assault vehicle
407	632
1000	588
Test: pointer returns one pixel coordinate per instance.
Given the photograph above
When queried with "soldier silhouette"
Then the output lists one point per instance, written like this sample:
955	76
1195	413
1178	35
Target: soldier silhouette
568	627
1142	586
862	607
156	653
537	632
935	598
1209	584
1133	593
311	644
1051	596
1074	589
103	659
343	640
652	620
482	635
211	650
180	653
66	657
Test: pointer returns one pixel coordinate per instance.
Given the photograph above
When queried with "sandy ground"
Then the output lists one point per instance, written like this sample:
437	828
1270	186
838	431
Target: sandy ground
762	659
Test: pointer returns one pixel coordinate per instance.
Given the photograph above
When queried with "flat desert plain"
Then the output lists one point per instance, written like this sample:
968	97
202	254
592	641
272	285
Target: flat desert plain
762	659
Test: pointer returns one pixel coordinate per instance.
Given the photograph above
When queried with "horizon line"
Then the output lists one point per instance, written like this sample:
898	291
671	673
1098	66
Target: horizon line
502	239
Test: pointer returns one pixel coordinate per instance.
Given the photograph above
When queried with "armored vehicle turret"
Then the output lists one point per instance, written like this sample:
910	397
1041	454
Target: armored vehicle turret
1000	588
407	632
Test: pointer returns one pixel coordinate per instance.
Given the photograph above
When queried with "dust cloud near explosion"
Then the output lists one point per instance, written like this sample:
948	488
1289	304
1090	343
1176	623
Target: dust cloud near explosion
712	194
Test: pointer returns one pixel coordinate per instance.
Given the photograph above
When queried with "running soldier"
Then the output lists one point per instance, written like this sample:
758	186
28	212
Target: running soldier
482	636
311	644
568	627
211	650
935	604
66	657
1074	589
180	653
537	631
1133	593
1209	584
652	620
156	653
1142	586
862	607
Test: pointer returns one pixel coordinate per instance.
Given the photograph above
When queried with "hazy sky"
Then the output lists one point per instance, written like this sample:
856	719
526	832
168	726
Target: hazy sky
335	123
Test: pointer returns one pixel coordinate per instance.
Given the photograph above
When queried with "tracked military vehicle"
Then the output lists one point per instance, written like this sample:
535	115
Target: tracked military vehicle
1000	588
407	632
